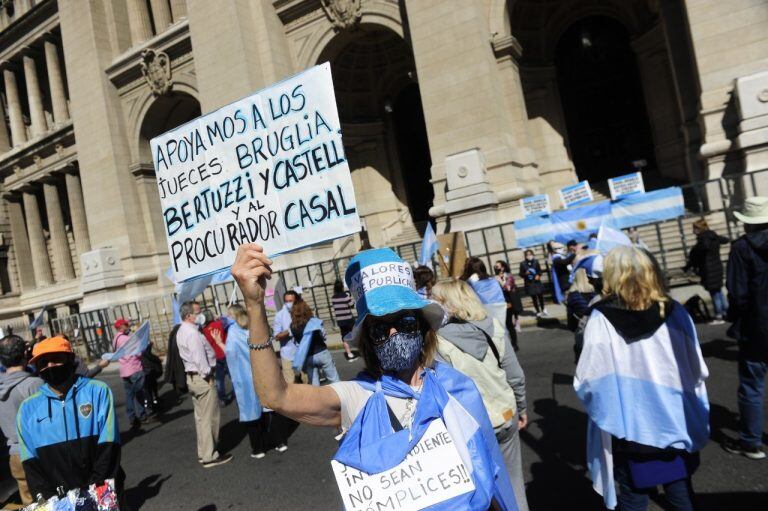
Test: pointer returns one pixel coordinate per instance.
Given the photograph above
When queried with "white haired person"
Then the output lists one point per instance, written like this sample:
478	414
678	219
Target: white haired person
402	393
476	344
641	379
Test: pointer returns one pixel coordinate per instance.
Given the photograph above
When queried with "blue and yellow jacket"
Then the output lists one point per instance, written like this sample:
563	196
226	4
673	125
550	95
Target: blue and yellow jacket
71	441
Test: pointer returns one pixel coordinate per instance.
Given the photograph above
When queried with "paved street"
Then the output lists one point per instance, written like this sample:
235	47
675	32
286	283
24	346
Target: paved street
163	472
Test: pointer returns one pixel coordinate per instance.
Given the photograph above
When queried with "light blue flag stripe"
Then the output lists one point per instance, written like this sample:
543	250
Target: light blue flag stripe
429	246
135	344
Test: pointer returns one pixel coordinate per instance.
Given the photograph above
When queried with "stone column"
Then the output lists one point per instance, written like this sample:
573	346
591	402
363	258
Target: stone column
179	9
56	83
77	212
34	96
483	127
62	258
38	249
18	129
161	13
5	139
20	243
138	20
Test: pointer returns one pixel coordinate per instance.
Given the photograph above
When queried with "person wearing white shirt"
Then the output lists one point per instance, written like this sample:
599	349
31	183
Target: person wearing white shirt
199	363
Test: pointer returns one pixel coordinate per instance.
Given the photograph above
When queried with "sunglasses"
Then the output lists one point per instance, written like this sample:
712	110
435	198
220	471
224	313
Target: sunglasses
379	331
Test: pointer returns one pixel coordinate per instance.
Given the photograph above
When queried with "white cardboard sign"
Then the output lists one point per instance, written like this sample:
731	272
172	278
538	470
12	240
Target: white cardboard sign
269	168
576	194
432	472
535	204
628	184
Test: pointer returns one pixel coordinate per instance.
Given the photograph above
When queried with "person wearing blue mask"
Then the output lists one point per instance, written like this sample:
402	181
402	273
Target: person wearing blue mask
387	409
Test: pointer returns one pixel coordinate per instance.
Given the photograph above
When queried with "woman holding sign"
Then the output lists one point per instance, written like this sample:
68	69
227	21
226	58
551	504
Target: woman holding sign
403	405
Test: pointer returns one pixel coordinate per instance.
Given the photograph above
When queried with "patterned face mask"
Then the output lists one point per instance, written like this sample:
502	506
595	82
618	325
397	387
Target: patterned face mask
401	351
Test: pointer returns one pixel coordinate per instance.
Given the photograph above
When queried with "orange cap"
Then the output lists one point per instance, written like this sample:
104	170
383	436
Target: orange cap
50	345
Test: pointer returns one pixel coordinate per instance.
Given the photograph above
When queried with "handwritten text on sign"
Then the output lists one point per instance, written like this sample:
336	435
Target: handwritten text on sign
432	472
576	194
628	184
269	168
535	205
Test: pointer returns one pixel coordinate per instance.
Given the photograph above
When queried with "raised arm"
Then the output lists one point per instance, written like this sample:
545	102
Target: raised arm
311	405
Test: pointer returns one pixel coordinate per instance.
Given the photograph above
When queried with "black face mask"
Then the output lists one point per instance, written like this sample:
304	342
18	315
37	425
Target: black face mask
58	375
498	270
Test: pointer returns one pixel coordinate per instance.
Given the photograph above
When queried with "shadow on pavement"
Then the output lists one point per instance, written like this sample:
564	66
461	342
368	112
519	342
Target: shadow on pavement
230	436
147	488
734	500
561	449
723	349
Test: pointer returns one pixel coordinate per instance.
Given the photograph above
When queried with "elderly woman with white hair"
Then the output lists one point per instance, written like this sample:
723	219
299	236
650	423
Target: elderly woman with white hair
641	379
476	344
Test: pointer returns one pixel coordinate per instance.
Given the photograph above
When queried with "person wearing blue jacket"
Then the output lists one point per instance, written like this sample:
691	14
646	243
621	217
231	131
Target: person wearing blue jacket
387	410
68	434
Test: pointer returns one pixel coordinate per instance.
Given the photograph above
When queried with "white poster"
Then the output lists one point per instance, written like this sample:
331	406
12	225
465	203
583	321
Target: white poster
432	472
535	205
579	193
626	185
269	168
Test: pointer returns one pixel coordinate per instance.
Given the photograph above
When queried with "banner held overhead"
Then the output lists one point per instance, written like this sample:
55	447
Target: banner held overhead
269	168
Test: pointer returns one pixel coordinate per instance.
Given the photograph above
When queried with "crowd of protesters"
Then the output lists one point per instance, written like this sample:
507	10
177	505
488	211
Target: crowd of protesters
430	350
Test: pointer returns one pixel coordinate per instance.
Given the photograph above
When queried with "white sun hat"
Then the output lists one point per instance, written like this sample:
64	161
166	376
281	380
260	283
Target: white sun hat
755	211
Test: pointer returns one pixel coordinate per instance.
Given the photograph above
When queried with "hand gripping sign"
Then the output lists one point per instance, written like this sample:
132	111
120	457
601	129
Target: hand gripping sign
269	168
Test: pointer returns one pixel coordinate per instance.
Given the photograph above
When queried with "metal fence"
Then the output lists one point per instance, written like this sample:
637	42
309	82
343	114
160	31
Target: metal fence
670	241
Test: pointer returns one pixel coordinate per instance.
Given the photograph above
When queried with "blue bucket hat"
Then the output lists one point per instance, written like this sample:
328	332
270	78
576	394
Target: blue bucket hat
382	283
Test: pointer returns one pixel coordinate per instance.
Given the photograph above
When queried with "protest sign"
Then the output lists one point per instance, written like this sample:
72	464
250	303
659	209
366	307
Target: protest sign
535	205
628	184
269	168
576	194
432	472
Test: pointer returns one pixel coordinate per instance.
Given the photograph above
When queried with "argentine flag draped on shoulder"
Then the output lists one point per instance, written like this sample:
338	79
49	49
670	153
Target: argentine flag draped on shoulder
448	402
648	390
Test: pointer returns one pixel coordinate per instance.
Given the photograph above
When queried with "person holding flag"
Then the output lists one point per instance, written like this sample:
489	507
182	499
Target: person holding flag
132	373
387	409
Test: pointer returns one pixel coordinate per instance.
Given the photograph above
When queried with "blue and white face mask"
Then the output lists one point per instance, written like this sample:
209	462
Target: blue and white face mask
400	351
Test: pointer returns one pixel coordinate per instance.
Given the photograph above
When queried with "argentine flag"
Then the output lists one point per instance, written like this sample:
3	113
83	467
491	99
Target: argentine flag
564	225
650	391
429	246
578	223
648	207
135	345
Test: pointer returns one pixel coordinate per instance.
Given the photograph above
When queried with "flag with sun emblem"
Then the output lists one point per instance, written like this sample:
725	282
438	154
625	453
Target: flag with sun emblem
578	223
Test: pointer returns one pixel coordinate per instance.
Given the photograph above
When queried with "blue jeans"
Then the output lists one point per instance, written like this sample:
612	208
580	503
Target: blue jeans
134	396
679	494
222	370
718	303
321	360
750	398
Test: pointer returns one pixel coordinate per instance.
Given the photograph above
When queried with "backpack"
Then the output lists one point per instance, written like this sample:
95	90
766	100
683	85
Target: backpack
697	309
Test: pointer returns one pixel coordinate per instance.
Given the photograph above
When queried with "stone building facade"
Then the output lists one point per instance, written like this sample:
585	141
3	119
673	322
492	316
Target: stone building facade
451	110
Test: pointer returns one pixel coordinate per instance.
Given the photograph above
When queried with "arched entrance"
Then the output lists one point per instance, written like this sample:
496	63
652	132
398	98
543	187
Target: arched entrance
165	113
384	132
609	83
602	99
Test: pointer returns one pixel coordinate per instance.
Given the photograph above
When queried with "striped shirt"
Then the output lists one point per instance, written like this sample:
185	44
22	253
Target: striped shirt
342	306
